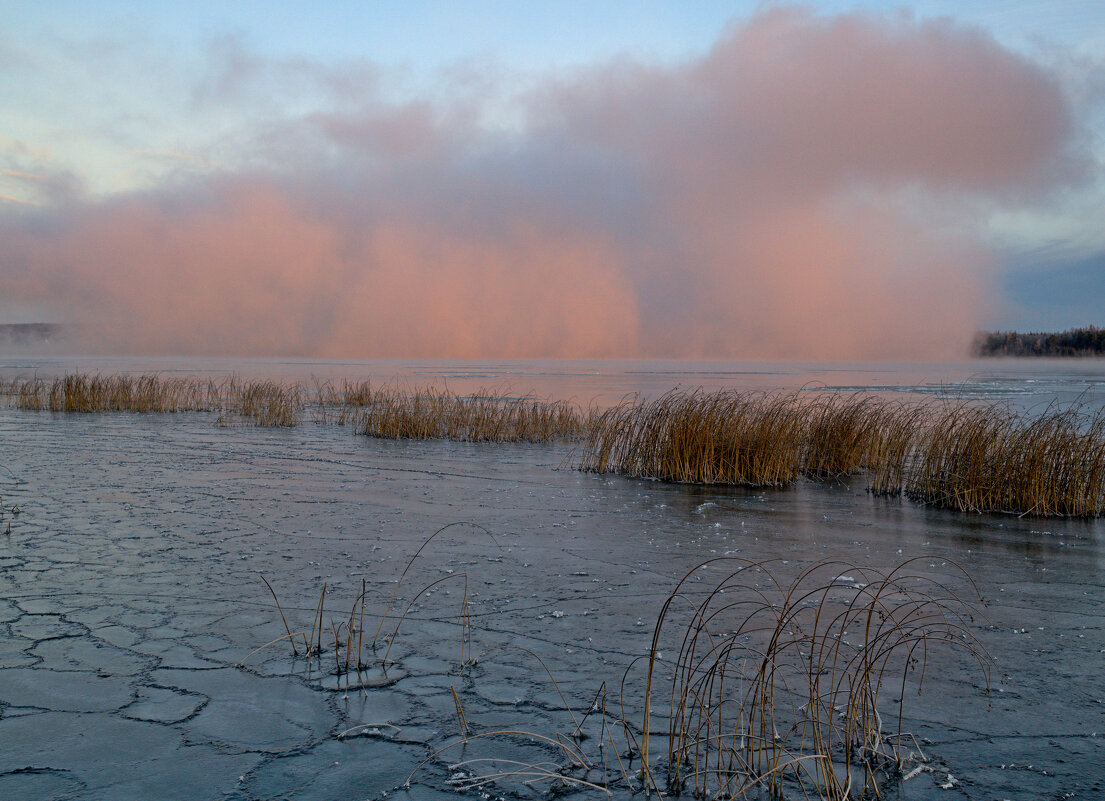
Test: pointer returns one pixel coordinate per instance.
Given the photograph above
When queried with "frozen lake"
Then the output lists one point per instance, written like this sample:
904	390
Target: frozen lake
131	598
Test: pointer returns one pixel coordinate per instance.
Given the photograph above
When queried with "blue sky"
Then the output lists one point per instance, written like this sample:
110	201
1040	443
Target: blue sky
103	101
59	55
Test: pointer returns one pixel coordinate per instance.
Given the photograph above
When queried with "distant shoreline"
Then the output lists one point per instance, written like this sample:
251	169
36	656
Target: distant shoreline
28	333
1077	342
1086	342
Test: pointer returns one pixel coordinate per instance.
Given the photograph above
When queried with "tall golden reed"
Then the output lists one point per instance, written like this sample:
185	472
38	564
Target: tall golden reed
257	403
721	437
989	459
481	417
953	455
780	686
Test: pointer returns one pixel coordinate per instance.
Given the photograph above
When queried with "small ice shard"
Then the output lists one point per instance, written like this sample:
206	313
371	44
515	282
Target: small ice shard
558	613
950	783
915	772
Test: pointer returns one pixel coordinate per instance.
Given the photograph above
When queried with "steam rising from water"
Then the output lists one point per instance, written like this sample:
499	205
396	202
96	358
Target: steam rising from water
810	188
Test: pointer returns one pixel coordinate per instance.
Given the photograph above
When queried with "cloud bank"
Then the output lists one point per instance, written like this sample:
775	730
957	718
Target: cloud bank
807	189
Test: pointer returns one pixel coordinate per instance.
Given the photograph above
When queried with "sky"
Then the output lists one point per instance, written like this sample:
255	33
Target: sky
686	179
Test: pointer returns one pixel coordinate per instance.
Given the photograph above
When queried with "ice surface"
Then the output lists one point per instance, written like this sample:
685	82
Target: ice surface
131	591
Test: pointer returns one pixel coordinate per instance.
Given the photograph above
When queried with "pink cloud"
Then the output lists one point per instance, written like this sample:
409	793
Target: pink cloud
747	204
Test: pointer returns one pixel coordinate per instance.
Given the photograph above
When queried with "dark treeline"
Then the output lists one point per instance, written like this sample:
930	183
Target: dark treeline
1076	342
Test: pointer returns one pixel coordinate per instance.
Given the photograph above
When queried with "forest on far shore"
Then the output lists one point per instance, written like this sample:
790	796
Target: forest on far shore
1076	342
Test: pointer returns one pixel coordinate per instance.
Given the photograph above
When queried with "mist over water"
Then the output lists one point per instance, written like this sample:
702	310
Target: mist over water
1024	383
717	207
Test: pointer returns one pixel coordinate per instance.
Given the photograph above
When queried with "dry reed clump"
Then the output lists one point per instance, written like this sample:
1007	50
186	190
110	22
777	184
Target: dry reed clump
266	403
893	451
843	434
341	403
772	689
962	456
721	437
27	394
355	654
983	459
262	403
115	393
782	687
433	414
347	393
